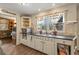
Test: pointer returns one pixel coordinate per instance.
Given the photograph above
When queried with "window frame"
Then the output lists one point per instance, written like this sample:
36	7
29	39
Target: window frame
59	31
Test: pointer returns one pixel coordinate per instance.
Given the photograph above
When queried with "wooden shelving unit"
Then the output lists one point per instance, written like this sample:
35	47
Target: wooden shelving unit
10	24
25	22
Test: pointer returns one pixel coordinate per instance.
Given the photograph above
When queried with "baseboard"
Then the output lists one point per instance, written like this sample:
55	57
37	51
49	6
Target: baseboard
17	43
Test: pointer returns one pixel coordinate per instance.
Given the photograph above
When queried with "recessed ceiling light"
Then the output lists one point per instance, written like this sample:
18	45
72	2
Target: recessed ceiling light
39	9
53	4
23	3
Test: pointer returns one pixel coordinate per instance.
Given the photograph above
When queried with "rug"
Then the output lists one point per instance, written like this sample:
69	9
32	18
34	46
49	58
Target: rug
8	48
1	52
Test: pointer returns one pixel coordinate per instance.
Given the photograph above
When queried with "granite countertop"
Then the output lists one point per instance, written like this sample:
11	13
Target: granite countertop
64	37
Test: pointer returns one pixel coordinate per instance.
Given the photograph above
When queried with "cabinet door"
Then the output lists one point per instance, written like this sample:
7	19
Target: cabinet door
48	49
29	39
38	44
33	42
23	40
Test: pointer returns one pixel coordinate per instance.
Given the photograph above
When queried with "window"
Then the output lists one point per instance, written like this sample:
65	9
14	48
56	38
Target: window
58	22
48	23
41	24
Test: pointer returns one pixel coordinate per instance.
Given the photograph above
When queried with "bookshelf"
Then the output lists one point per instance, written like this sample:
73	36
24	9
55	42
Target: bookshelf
10	24
25	22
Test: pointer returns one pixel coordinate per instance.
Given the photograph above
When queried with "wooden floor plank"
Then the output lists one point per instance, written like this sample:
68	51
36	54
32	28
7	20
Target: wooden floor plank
9	48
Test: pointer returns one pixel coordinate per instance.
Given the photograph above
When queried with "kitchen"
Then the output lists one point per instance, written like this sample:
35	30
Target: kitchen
53	31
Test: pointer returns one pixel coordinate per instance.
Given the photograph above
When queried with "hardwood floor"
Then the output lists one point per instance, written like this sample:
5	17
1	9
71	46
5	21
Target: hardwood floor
9	48
23	50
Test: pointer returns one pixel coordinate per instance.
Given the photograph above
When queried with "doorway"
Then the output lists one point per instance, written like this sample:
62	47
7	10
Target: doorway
7	29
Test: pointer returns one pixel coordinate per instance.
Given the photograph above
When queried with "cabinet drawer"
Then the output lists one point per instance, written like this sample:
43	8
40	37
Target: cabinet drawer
63	41
49	39
37	37
29	35
43	38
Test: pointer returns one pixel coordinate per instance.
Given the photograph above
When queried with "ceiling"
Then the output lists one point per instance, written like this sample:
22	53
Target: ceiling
29	8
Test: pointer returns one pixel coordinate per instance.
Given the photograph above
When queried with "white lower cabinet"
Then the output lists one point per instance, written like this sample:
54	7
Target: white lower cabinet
45	45
30	41
38	44
23	40
48	46
42	44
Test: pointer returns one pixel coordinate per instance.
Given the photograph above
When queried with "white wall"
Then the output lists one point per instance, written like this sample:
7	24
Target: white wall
18	37
78	25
